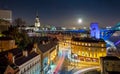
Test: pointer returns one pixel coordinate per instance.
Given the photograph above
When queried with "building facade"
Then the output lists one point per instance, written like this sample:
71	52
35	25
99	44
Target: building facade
37	23
48	48
88	49
17	61
6	15
110	65
7	43
5	19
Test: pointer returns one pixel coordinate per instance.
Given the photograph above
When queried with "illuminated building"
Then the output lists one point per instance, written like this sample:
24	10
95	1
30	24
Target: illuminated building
110	65
17	61
36	58
37	23
95	31
47	47
88	49
7	43
67	41
6	15
5	19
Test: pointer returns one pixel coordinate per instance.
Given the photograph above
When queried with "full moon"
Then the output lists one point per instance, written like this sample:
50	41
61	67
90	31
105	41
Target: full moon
79	20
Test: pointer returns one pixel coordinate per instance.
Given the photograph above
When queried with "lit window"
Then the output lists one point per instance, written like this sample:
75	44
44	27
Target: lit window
89	44
82	53
89	49
102	49
102	45
76	43
73	42
82	43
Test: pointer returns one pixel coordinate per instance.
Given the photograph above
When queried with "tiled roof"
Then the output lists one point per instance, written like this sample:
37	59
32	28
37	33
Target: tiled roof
40	39
48	43
14	51
4	61
23	59
19	58
47	46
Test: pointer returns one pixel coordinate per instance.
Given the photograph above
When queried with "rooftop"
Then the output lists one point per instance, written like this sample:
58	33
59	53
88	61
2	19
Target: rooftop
45	43
23	59
87	40
4	63
14	51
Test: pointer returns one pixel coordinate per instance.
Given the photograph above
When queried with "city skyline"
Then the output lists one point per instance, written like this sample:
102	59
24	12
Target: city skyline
65	12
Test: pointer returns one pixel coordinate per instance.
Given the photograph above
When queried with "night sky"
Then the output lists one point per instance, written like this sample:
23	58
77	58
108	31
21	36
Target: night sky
65	12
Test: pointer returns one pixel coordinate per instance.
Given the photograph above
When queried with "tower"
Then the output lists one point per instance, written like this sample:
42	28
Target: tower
95	31
37	21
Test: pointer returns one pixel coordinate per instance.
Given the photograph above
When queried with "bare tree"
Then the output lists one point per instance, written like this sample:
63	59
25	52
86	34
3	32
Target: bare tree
19	22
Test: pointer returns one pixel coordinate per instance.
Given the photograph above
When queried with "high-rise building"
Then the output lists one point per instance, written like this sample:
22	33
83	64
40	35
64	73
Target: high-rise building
7	43
95	31
6	15
5	19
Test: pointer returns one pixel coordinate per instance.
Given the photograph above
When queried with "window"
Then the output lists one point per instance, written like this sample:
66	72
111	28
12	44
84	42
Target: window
82	43
102	45
102	49
86	44
89	44
89	49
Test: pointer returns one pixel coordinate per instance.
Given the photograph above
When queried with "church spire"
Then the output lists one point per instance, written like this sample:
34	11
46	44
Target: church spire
37	21
36	13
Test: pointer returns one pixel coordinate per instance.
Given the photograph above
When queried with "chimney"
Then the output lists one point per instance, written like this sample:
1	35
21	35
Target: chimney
43	42
25	53
11	58
34	49
35	45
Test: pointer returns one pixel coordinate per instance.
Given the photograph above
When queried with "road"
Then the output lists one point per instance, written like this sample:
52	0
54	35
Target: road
59	64
82	71
75	66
